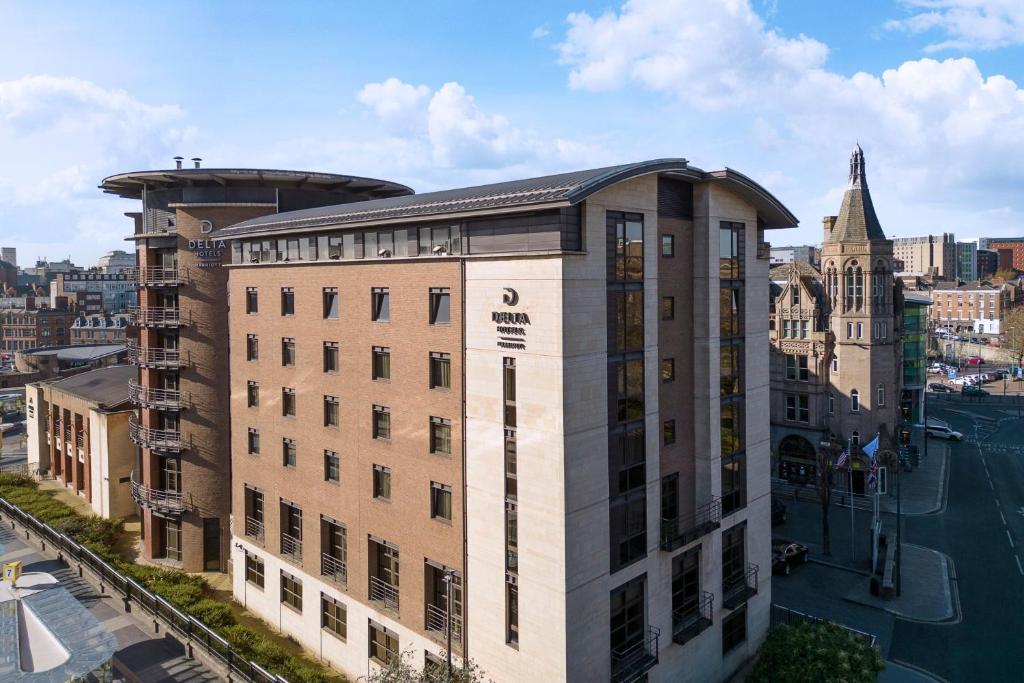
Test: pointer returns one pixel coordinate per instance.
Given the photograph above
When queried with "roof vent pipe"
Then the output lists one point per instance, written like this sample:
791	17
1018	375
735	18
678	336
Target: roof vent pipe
177	161
196	160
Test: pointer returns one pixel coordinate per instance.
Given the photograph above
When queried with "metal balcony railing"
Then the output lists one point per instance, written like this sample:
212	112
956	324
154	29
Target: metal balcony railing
79	439
631	662
156	276
436	623
154	398
157	439
254	529
154	357
291	548
334	569
167	502
154	316
383	592
688	622
675	533
739	587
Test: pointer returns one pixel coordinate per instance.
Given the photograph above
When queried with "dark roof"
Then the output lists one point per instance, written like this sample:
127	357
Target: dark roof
857	221
563	189
106	387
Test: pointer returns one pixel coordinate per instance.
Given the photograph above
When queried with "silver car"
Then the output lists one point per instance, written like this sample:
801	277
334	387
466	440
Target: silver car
943	432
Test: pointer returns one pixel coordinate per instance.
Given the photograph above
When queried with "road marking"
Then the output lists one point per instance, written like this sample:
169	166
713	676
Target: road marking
1019	567
1010	539
1002	517
990	485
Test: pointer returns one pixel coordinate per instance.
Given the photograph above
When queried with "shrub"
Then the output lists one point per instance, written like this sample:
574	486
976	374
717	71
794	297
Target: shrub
213	613
815	653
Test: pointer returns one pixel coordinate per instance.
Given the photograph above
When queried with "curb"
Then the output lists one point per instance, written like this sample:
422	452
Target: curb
835	565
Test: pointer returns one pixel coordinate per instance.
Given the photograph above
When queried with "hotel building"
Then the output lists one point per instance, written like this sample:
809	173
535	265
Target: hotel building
490	412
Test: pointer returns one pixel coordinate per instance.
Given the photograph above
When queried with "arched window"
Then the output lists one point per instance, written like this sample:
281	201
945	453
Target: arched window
858	287
849	282
876	286
855	401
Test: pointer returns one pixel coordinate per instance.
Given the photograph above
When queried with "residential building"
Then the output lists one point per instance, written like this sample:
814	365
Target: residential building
987	263
915	355
116	261
430	427
928	255
1009	249
179	340
22	329
78	432
810	254
967	261
111	292
972	307
100	328
835	343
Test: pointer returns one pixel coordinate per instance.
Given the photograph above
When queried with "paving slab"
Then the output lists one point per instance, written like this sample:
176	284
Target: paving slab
926	590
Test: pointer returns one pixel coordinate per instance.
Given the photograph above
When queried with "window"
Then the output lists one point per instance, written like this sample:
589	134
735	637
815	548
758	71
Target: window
734	482
630	389
835	364
730	307
332	466
252	303
381	363
253	394
785	329
860	330
670	497
797	408
383	644
628	534
627	232
804	327
626	622
855	439
440	435
382	482
288	402
440	370
794	296
731	425
849	330
668	432
831	404
511	612
330	303
796	367
881	394
509	390
254	441
440	501
668	369
380	304
252	347
628	307
734	629
333	616
440	306
330	411
668	308
287	301
291	591
668	246
288	452
288	351
734	563
854	401
330	357
381	423
254	571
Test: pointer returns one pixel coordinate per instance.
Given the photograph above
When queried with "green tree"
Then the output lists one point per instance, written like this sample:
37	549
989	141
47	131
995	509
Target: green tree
402	670
815	653
1012	333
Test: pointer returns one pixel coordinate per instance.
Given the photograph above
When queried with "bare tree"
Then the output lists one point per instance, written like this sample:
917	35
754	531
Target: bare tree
1012	332
401	669
825	460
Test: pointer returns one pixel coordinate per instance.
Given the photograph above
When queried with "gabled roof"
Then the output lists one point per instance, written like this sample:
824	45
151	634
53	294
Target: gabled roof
857	221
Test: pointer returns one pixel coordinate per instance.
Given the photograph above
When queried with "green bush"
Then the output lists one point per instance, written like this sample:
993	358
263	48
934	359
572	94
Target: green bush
815	653
213	613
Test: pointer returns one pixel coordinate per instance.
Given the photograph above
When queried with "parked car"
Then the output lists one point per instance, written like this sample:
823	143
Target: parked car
940	388
975	360
943	432
778	512
785	554
973	390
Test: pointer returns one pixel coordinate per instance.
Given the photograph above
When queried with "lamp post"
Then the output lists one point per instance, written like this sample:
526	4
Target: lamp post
448	620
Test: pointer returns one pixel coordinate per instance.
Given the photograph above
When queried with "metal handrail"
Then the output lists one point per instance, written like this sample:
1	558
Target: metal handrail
383	592
629	663
156	275
146	395
738	587
291	547
154	315
161	439
254	529
436	621
691	620
154	356
159	499
677	532
333	568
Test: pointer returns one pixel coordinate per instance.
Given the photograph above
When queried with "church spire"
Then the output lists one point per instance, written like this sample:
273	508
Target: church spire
857	175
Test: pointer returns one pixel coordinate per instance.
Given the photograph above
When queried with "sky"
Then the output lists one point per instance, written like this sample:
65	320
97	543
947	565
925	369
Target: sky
448	94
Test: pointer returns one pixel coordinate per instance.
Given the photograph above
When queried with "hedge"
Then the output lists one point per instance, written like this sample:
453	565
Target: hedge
185	591
819	652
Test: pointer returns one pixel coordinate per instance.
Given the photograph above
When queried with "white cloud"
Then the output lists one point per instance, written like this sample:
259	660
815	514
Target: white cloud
541	31
969	24
397	104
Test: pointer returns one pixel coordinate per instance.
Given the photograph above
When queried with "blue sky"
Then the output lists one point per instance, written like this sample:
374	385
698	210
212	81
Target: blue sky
446	94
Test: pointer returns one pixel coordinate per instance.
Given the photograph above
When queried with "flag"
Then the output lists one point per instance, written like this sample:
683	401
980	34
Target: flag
841	460
873	475
870	447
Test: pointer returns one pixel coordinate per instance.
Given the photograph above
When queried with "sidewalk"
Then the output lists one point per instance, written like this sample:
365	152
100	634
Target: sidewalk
927	593
895	672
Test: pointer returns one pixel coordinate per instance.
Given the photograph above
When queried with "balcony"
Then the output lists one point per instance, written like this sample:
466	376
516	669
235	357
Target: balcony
630	663
154	316
254	530
739	588
165	502
157	439
165	399
334	569
291	549
383	593
689	622
153	276
436	624
675	533
149	357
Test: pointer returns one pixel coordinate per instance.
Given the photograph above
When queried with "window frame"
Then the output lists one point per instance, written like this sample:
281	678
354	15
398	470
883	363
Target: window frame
380	304
437	295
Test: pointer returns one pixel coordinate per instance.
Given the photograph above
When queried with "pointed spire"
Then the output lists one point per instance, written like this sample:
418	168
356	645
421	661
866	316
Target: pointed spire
858	178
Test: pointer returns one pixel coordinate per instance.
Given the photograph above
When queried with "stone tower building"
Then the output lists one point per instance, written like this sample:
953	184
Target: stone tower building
866	307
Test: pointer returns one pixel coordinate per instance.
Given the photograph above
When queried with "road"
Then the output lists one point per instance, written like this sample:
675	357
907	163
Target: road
982	529
13	453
